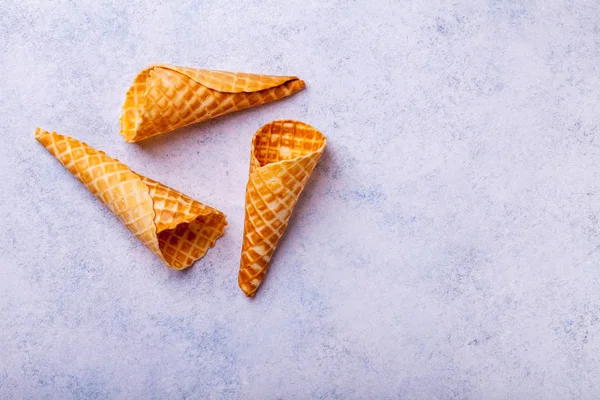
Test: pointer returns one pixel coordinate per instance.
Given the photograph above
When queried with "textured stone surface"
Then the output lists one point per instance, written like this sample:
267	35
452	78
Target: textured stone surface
447	246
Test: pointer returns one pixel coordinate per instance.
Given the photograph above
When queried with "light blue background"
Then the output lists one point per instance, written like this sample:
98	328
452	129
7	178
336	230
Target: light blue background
447	246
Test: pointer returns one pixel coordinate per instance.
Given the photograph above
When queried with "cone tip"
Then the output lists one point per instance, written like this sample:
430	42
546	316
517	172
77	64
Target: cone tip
248	290
39	132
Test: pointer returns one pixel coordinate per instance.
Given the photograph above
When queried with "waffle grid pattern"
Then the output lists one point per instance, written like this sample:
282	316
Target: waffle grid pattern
111	181
283	156
177	229
165	98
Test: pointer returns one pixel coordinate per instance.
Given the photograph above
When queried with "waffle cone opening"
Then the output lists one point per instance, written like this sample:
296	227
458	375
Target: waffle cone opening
189	241
285	140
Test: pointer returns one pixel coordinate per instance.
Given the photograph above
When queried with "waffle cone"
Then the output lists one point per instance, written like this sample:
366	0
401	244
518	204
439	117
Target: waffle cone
178	229
283	156
164	98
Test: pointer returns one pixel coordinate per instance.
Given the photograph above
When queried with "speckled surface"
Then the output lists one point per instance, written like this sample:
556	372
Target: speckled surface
447	246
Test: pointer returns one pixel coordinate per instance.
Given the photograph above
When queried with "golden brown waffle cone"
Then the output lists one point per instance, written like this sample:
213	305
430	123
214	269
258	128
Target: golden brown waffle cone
164	97
282	158
178	229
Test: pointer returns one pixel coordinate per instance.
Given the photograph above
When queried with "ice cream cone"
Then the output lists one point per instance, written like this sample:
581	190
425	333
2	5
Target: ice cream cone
178	229
283	156
164	98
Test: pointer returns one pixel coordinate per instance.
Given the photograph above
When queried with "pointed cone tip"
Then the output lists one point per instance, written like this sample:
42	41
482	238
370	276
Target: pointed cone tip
39	132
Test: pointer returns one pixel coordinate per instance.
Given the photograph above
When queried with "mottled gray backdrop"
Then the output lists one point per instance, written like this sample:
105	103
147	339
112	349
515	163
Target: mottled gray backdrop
447	246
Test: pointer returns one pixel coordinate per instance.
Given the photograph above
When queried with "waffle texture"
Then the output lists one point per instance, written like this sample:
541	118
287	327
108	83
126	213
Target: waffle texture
178	229
164	97
282	158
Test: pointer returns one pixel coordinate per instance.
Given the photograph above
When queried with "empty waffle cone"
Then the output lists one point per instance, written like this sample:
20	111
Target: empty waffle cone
164	97
178	229
283	156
